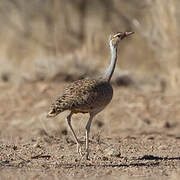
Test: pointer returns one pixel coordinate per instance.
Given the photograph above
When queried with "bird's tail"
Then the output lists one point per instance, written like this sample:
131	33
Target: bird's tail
58	107
53	112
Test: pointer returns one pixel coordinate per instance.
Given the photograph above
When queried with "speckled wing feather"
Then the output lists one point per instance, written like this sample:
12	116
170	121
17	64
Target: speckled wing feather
83	96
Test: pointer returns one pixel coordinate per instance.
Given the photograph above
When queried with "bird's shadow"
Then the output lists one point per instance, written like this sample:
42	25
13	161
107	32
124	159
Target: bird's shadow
150	161
152	157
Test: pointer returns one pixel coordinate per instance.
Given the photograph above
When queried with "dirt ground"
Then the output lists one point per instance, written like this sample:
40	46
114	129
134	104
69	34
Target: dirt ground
136	137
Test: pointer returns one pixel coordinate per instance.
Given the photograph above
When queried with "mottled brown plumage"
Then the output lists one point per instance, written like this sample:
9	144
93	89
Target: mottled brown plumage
88	95
83	96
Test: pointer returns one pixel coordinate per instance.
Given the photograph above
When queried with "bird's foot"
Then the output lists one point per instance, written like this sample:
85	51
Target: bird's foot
79	149
87	155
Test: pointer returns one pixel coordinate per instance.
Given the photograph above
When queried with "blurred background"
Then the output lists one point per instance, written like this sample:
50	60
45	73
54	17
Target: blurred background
42	40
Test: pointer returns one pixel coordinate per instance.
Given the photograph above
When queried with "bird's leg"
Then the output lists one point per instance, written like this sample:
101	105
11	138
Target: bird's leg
76	139
88	126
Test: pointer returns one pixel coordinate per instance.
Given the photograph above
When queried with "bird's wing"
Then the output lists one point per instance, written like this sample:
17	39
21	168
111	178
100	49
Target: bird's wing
87	94
83	96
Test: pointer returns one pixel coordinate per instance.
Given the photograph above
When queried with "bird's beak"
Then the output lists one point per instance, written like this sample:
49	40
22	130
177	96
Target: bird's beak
127	33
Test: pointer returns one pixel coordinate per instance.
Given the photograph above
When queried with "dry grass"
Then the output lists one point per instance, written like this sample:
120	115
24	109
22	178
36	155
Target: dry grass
42	40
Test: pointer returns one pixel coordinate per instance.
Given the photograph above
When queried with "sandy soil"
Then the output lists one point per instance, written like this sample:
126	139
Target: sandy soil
136	137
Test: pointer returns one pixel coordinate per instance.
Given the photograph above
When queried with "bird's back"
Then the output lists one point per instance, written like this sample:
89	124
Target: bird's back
85	96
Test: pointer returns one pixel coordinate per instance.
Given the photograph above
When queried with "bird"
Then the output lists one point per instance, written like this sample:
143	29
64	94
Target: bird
89	95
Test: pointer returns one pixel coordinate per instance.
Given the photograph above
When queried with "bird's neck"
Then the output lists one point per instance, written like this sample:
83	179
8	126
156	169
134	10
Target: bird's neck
110	69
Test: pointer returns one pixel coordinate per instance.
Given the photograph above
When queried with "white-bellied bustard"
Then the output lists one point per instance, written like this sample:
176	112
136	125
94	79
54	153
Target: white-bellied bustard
89	95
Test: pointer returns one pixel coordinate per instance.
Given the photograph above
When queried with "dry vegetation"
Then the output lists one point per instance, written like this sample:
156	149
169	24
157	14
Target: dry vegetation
47	44
45	39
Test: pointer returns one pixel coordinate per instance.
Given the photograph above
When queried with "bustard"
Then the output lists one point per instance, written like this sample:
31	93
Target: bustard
89	95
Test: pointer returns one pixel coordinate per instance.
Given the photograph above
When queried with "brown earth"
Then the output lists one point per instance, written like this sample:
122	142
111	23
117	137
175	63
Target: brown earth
136	137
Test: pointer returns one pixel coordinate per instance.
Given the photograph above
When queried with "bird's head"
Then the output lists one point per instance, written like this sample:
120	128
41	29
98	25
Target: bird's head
116	38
